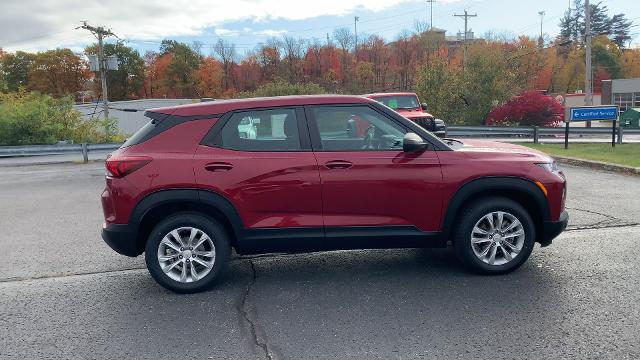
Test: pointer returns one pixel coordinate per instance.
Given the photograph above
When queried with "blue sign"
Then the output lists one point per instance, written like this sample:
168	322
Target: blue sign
588	113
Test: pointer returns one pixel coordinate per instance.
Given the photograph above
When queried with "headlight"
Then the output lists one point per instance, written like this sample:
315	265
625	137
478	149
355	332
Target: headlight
551	167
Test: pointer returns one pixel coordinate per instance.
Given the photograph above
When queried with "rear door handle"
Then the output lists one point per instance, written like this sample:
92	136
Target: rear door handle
218	166
338	164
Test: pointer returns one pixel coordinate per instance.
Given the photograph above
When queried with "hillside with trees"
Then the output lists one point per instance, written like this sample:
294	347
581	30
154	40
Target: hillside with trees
496	69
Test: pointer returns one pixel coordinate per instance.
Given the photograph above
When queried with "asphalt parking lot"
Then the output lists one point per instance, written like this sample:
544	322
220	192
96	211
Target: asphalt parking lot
65	294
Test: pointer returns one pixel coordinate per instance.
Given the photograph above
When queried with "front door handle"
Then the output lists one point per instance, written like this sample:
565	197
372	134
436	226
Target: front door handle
218	166
338	164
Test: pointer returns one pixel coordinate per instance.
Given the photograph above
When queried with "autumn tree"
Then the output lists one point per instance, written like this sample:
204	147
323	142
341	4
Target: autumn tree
345	39
155	76
128	80
631	63
209	78
58	73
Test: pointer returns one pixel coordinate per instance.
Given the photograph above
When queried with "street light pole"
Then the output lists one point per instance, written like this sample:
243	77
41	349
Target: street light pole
588	98
542	14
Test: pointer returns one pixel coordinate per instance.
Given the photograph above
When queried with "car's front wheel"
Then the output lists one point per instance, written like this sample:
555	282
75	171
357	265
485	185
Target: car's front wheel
494	235
187	252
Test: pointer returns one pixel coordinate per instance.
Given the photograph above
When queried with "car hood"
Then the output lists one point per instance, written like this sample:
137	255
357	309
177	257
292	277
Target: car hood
413	113
482	147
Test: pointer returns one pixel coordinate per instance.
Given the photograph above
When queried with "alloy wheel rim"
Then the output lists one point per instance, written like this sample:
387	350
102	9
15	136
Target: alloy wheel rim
497	238
186	254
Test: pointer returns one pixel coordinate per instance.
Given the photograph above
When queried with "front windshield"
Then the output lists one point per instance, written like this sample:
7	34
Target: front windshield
401	102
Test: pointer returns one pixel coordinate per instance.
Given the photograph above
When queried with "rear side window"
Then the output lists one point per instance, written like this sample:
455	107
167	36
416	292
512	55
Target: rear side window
160	123
262	130
149	129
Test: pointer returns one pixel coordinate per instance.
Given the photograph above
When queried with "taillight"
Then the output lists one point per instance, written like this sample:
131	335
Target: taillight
118	167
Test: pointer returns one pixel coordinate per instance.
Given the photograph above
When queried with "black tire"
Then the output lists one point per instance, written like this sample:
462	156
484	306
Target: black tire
211	228
472	214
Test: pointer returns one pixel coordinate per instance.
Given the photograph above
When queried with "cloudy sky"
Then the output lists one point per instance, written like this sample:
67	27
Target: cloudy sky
43	24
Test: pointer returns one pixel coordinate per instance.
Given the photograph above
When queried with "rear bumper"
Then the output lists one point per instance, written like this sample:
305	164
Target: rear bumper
551	229
122	238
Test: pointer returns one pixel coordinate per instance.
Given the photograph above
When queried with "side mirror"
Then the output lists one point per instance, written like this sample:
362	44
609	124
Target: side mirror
413	142
424	106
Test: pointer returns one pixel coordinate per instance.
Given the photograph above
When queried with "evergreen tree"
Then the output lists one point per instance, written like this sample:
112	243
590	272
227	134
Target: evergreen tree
572	24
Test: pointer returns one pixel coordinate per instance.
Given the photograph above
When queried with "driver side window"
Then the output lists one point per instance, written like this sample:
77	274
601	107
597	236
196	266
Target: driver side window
356	128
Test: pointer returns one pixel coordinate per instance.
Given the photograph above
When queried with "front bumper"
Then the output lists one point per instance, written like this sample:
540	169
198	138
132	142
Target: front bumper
551	229
122	238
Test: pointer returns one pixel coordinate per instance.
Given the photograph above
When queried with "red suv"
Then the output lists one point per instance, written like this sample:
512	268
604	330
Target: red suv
314	173
408	105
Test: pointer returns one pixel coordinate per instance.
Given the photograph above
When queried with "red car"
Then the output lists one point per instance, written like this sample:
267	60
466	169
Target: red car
408	105
312	173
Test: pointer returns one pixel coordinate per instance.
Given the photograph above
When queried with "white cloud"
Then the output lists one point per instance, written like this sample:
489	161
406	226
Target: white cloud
226	32
51	25
270	32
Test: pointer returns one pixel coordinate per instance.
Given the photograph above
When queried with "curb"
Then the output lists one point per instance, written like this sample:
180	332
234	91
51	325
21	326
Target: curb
598	165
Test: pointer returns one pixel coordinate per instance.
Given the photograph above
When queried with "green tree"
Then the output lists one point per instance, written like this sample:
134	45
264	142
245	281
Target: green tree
607	55
572	24
126	82
281	88
440	86
488	81
620	30
14	69
181	74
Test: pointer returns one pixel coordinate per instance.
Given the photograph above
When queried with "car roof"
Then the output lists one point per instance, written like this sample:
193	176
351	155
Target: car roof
223	106
390	94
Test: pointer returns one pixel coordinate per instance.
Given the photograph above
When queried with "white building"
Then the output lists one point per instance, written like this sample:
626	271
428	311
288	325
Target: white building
130	122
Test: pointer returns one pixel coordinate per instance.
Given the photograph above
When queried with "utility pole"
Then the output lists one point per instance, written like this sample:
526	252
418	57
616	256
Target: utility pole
431	14
100	33
355	29
588	97
542	14
466	17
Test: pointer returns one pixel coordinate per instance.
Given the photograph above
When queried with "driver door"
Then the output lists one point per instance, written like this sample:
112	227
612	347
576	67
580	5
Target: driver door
367	180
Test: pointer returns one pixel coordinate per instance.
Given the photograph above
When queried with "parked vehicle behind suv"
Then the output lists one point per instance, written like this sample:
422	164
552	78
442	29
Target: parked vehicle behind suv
318	173
408	105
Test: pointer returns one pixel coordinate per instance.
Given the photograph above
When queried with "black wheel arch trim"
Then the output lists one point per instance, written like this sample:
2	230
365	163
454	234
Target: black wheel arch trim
190	196
477	186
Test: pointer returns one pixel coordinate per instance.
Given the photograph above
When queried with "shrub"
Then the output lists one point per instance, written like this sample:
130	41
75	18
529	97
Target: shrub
528	109
31	118
281	88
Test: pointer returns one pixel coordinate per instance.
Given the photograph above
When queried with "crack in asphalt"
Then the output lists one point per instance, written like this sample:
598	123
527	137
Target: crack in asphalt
610	221
250	320
65	275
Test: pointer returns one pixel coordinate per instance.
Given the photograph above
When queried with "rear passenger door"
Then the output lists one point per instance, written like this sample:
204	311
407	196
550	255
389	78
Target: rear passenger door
261	160
368	181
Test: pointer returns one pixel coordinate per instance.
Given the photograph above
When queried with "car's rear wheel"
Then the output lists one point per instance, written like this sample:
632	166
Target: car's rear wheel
187	252
494	235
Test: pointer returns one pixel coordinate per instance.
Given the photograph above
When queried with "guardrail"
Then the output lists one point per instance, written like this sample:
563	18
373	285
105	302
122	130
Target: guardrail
532	132
32	150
